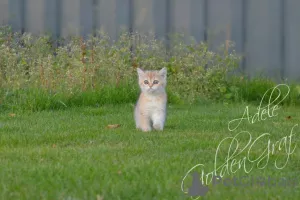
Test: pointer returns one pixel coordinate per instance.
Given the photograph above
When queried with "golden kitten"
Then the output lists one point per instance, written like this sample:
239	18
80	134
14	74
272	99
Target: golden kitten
150	110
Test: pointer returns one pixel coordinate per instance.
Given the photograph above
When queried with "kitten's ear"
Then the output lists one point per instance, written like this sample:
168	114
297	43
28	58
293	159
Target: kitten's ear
140	72
163	72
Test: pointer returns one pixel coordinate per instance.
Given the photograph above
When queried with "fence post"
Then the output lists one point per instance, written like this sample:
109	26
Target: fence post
282	39
244	34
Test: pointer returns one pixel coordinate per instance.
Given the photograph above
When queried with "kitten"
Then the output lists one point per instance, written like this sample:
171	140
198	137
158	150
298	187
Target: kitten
150	110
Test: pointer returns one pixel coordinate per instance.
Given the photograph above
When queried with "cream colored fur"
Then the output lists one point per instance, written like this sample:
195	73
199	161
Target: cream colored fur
150	110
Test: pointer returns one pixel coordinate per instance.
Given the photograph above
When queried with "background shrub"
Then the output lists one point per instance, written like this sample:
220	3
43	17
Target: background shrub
37	73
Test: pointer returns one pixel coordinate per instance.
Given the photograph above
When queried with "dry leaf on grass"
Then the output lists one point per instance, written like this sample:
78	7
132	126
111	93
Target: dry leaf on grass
99	197
112	126
12	114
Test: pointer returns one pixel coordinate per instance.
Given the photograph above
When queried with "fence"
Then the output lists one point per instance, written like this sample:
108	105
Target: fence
266	32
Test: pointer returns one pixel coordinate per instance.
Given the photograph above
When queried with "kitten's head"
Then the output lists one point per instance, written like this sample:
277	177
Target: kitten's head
152	81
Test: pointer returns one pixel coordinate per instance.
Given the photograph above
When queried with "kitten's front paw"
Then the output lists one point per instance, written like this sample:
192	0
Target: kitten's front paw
158	127
145	129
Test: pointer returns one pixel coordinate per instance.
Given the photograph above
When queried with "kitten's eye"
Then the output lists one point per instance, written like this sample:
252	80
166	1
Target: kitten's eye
155	82
146	82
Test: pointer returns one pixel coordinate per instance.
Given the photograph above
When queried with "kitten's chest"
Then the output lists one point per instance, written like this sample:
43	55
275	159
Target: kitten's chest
155	103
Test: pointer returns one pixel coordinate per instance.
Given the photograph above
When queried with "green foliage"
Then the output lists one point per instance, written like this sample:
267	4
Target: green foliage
252	90
37	73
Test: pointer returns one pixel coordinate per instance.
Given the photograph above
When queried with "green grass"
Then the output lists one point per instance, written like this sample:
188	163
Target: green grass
54	111
70	154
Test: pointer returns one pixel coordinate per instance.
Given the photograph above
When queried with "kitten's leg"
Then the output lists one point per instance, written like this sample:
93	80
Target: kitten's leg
158	119
142	121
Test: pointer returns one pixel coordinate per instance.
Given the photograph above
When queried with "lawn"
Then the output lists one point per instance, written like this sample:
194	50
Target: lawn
71	154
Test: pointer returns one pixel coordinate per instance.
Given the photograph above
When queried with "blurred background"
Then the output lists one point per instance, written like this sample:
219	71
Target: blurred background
265	32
